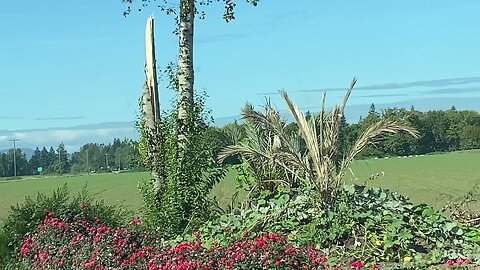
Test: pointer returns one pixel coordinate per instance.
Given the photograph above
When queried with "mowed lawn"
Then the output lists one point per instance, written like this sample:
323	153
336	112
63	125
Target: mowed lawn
431	179
118	189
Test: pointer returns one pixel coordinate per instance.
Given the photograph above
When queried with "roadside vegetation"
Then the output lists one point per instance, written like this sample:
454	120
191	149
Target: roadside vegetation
281	212
439	132
298	203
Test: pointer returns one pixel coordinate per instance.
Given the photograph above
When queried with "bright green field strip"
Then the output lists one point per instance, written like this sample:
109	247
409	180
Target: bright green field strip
225	190
429	179
113	188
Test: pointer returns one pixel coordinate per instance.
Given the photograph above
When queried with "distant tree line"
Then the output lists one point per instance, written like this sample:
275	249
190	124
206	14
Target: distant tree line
440	131
91	157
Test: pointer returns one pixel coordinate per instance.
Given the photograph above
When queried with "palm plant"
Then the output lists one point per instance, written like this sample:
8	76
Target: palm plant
275	154
234	133
261	146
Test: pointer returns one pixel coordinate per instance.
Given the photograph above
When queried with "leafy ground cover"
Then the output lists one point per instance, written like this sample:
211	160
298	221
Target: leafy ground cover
76	238
368	224
430	179
86	245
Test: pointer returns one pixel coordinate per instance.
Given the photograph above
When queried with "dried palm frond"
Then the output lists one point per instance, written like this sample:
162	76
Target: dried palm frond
234	132
276	153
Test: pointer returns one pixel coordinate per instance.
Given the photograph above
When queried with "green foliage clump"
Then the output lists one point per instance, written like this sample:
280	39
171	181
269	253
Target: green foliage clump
181	200
25	217
374	225
295	179
315	156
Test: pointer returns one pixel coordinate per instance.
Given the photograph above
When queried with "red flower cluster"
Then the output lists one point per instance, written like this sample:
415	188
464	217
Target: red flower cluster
269	251
79	244
459	262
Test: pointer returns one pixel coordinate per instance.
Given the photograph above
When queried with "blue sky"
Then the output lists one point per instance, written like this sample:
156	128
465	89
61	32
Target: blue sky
72	71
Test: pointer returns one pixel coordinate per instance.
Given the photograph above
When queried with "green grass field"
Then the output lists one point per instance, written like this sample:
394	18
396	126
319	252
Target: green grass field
112	188
430	179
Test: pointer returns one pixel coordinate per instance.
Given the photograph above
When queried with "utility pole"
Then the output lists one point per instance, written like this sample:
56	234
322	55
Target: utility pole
117	160
88	169
106	161
60	169
14	140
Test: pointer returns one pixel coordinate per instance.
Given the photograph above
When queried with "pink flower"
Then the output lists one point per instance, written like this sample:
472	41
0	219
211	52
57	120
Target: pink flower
24	251
44	255
291	251
279	262
136	222
357	265
84	205
450	263
97	239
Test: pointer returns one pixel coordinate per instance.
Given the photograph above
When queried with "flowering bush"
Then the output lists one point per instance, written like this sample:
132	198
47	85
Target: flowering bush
269	251
24	218
81	244
369	224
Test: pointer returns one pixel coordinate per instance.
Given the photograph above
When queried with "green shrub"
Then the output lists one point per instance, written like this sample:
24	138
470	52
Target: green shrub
313	157
84	245
369	224
25	217
182	200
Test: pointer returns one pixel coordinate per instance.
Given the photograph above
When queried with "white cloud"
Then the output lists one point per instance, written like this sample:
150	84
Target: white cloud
73	138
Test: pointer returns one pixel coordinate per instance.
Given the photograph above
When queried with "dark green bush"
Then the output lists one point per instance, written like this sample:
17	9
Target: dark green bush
182	202
369	224
25	217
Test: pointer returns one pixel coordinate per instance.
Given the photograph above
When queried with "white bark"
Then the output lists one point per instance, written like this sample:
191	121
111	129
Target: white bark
185	68
151	107
151	69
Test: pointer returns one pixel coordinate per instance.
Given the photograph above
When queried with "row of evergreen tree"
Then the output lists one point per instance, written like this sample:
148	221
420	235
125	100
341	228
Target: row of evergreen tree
440	131
92	157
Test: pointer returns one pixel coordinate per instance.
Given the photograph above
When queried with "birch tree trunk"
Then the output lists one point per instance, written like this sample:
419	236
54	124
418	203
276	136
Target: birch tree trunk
185	69
151	109
151	69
